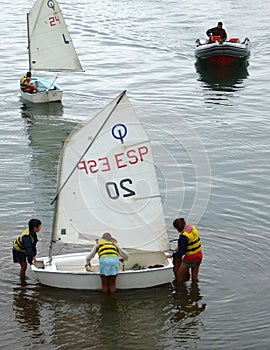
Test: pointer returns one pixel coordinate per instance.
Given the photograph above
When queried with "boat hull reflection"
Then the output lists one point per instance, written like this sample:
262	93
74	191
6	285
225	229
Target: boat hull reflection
229	76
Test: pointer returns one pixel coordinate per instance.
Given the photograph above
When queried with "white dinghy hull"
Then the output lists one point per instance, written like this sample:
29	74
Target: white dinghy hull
48	92
68	271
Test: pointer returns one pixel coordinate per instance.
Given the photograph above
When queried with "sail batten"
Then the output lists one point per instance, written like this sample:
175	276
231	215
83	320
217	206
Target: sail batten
113	187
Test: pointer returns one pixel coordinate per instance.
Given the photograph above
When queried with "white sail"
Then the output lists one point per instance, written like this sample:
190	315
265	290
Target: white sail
50	44
113	187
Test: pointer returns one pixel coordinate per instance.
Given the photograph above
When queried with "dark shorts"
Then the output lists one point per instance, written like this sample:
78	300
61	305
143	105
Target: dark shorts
191	265
18	257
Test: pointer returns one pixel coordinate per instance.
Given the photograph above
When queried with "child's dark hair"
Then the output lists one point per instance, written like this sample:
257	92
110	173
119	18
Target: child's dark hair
179	224
33	223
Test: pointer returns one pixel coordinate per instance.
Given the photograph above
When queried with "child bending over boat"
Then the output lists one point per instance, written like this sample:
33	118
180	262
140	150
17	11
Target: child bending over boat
108	252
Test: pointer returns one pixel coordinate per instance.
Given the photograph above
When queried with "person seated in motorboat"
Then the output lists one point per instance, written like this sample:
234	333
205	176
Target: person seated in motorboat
25	84
217	31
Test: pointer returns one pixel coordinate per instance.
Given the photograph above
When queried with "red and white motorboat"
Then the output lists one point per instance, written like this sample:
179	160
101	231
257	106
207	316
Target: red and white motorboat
220	52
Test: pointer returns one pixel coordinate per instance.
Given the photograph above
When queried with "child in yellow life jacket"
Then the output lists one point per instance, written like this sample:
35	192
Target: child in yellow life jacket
108	252
24	248
25	84
188	254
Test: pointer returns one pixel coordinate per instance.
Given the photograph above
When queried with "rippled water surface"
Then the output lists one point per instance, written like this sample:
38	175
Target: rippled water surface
210	136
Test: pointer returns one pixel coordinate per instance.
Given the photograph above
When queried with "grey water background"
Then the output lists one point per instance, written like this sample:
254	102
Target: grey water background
210	138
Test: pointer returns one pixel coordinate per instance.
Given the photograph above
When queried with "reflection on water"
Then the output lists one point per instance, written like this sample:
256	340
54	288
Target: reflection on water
186	298
29	110
27	309
57	317
33	318
45	134
228	78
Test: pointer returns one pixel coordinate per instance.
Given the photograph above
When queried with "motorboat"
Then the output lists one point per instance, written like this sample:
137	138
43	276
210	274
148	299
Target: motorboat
221	52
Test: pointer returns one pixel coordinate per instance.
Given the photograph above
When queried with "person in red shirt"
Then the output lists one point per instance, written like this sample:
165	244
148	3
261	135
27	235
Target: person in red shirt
188	254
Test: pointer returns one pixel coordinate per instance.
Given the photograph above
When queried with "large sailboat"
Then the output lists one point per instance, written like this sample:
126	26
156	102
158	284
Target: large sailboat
50	48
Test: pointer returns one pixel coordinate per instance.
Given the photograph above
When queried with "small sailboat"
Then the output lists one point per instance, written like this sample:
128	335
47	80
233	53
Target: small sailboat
107	183
50	48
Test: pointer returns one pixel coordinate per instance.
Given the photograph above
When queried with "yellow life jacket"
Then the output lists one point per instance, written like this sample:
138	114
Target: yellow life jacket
194	243
18	244
106	247
24	82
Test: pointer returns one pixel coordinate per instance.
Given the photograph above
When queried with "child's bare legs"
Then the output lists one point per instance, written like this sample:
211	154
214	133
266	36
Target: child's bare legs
182	274
108	284
195	273
104	284
176	265
23	269
112	284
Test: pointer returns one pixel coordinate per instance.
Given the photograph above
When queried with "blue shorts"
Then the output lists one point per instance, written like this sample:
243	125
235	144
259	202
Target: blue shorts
109	266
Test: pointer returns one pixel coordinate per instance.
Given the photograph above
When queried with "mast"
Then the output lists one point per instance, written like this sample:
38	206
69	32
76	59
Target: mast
55	202
52	233
28	47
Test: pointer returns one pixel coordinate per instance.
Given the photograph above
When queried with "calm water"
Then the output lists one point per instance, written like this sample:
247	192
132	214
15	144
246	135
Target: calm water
210	136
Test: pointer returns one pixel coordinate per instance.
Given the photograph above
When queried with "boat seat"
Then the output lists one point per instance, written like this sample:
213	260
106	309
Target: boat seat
137	260
234	40
70	267
143	260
